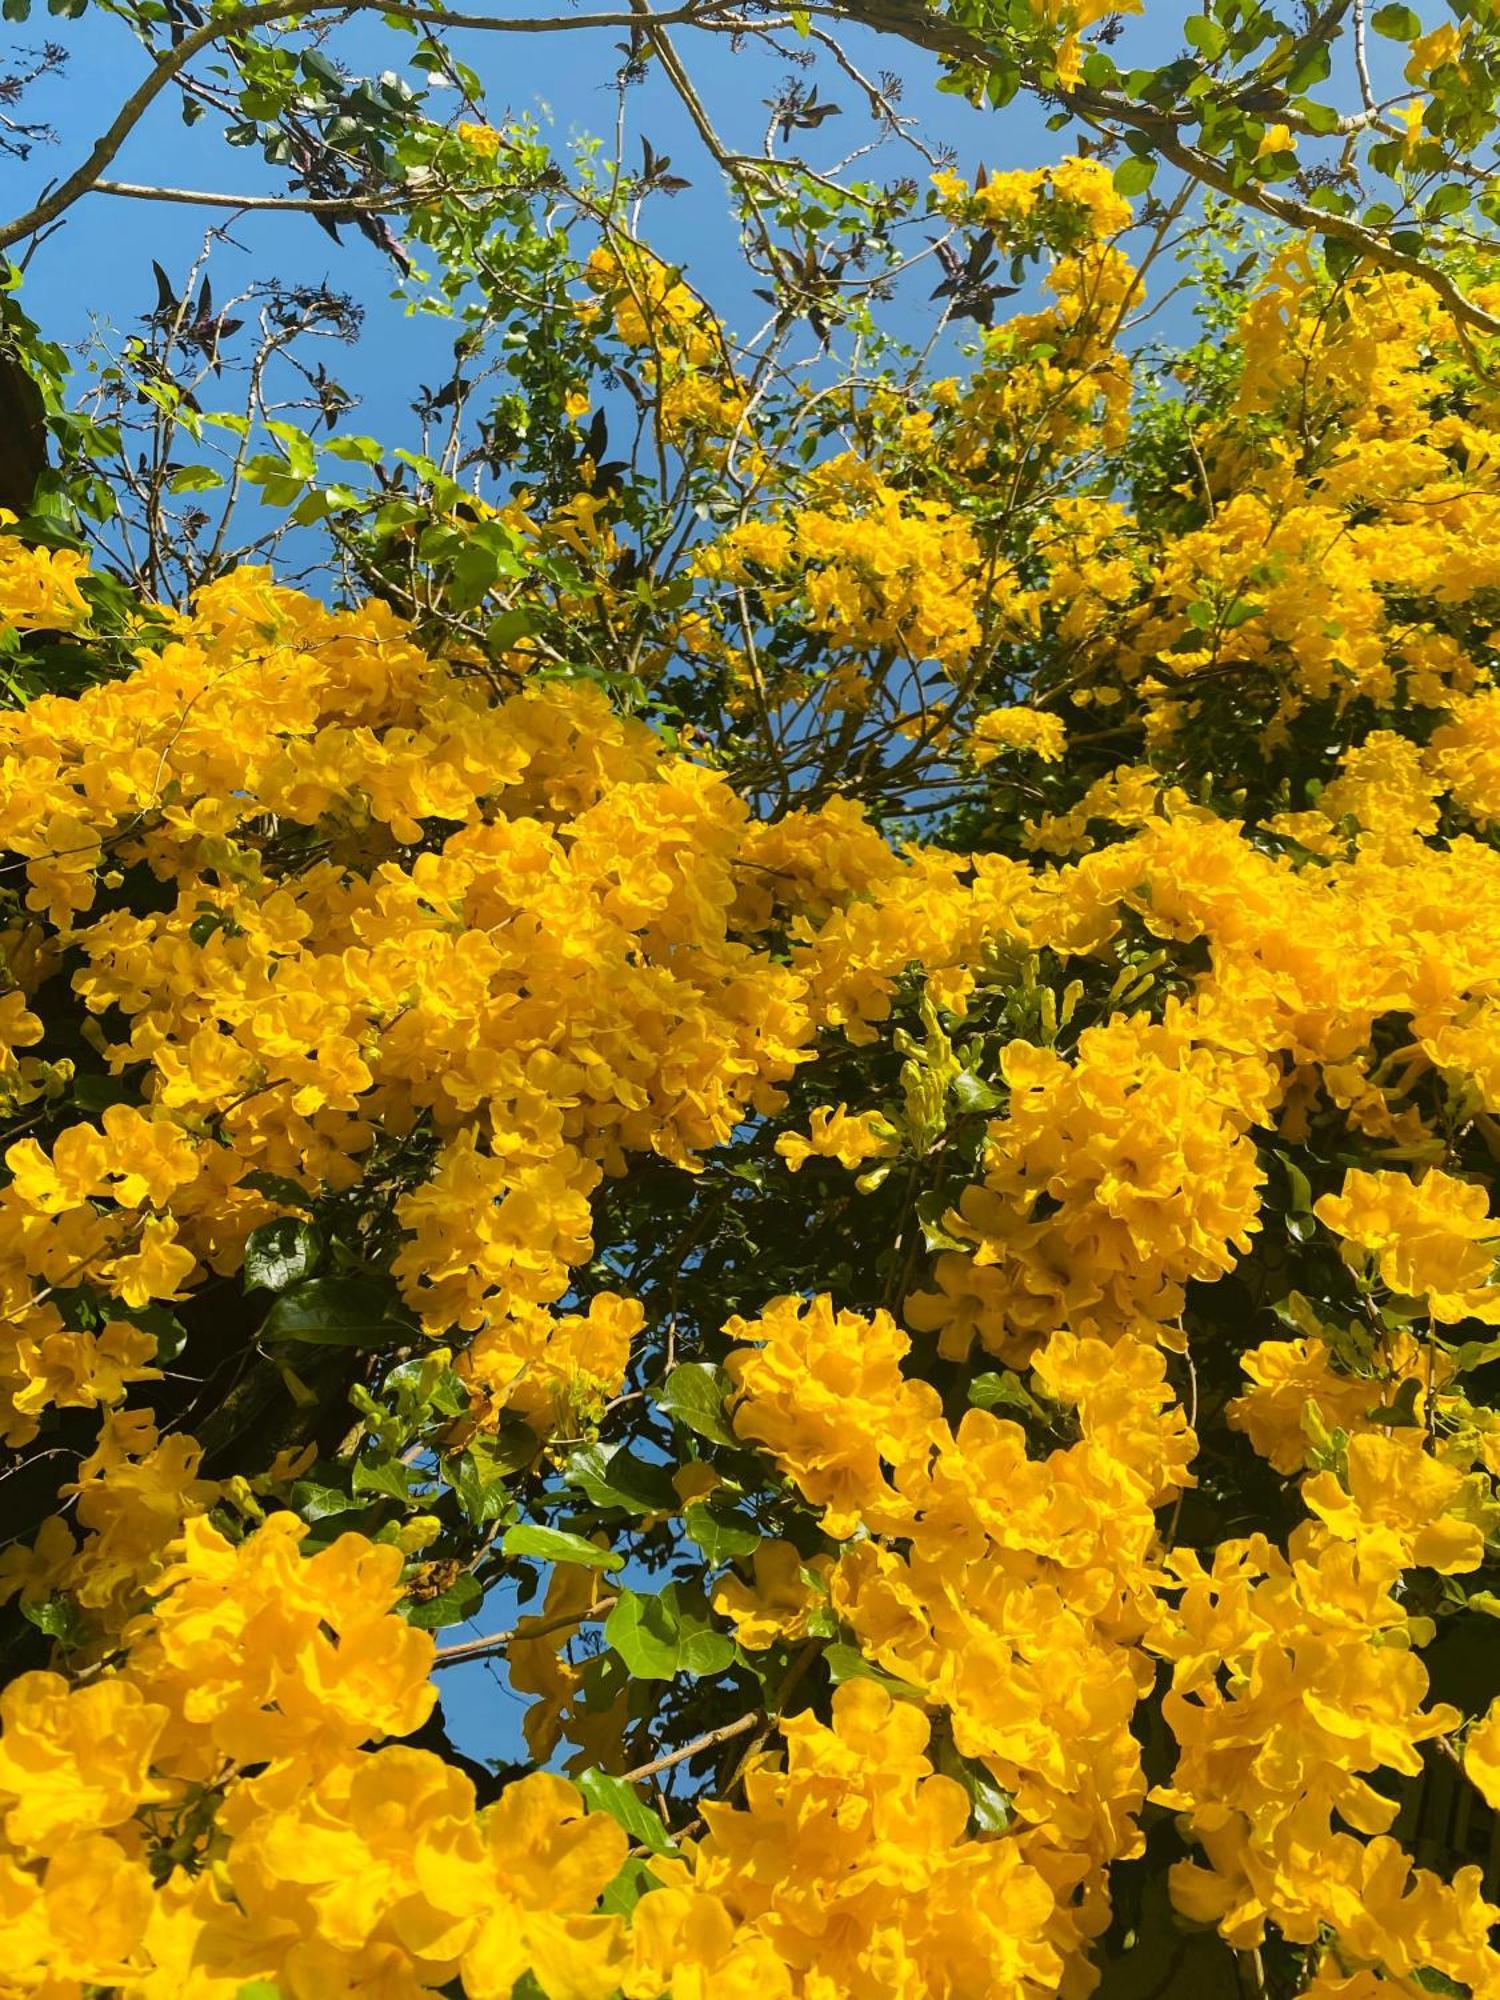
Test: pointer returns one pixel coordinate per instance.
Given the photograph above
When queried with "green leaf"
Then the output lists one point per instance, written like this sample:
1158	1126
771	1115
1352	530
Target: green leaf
989	1803
478	1474
259	1989
506	627
721	1537
301	454
1401	1414
1475	1353
617	1478
281	1253
451	1607
666	1635
59	1618
1315	66
848	1663
194	479
1397	23
1450	199
694	1394
602	1793
1205	35
317	1502
1319	118
1298	1186
1299	1313
619	1897
276	1187
558	1546
932	1208
338	1312
972	1093
995	1390
1134	176
364	450
382	1473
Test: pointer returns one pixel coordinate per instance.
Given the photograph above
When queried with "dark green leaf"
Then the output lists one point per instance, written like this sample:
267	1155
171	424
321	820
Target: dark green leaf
932	1209
339	1312
666	1635
383	1474
721	1536
694	1394
602	1793
316	1502
617	1478
478	1474
281	1253
276	1187
558	1546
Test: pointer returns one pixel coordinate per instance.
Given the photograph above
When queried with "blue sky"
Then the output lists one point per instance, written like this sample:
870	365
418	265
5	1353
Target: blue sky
95	272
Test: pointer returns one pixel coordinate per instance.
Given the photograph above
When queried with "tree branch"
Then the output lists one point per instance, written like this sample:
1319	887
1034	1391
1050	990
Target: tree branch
497	1642
709	1741
334	205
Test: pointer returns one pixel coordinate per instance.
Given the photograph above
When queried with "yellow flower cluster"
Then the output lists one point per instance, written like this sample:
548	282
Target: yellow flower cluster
1138	1152
686	357
547	987
1014	1592
1029	729
874	572
39	587
206	1814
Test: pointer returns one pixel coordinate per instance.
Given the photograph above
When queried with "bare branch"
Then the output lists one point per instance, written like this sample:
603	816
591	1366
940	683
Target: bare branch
709	1741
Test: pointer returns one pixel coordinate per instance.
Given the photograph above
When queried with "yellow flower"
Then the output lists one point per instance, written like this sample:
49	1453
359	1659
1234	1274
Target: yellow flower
39	587
787	1588
1030	729
835	1134
1401	1506
1430	1239
1482	1755
74	1760
823	1392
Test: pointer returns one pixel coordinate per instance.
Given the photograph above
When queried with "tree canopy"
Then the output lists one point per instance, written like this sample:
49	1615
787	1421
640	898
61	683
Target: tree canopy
777	1036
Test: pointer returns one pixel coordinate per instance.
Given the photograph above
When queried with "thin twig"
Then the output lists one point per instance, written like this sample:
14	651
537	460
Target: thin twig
497	1642
709	1741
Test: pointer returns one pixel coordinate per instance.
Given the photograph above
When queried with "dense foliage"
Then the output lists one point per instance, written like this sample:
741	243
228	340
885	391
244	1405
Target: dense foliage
806	1051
